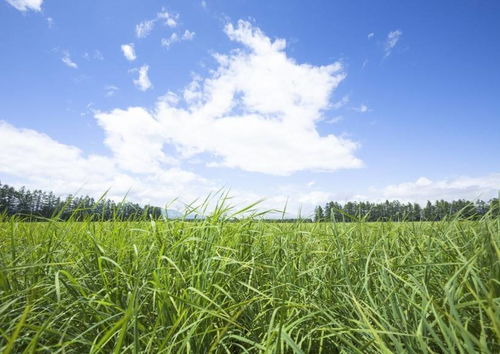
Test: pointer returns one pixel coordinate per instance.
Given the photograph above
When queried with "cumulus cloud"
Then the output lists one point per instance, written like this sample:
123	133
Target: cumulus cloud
25	5
132	136
128	51
142	82
66	59
36	160
27	153
261	107
391	41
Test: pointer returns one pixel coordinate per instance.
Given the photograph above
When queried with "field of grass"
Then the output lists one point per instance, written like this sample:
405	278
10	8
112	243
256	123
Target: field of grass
250	286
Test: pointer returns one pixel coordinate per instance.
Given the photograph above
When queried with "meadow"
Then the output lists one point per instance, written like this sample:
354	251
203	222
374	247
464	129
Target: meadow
248	286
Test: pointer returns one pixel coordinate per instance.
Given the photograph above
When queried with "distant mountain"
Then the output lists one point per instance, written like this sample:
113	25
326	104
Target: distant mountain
172	214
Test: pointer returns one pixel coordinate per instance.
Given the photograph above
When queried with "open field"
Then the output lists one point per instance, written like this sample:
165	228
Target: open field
250	286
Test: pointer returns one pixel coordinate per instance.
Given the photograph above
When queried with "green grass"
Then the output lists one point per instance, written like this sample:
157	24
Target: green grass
249	286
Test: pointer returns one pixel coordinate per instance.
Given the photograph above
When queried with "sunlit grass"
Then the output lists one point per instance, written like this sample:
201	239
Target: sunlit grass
249	286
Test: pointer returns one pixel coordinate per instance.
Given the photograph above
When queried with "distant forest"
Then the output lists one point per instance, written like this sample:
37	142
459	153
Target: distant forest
37	205
397	211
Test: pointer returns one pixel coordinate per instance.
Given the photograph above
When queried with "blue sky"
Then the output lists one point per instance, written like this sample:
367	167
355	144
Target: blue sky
305	101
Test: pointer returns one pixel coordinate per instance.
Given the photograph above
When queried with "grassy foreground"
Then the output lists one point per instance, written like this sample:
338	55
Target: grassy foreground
249	286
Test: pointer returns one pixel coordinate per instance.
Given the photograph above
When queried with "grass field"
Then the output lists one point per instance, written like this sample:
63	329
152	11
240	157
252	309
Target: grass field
250	286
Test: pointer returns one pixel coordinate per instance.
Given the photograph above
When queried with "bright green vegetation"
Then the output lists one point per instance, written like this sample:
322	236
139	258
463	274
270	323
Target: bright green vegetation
250	286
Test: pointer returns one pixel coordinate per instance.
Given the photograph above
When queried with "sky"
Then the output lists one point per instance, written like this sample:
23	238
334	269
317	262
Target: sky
294	102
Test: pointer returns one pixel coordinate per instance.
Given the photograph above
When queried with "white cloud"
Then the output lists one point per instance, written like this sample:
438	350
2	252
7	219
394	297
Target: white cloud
128	51
27	153
66	59
169	19
174	37
167	42
132	136
142	82
50	22
203	4
34	159
25	5
188	35
423	189
334	120
147	175
391	41
370	35
144	28
262	106
419	191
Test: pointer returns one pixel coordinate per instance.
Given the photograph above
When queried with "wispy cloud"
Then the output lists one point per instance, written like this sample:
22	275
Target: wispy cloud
66	59
391	41
334	120
142	82
144	28
25	5
128	51
174	37
343	101
111	90
169	19
95	55
370	35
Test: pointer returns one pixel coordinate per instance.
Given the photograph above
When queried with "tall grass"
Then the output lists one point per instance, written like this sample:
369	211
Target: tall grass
249	286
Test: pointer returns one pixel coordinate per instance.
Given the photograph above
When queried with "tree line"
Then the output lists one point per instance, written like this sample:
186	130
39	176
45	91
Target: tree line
398	211
38	205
